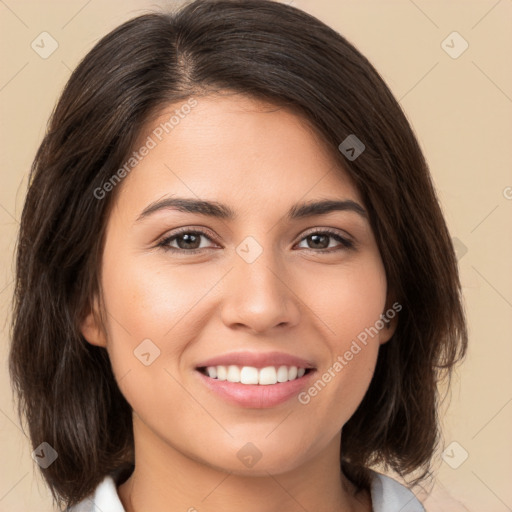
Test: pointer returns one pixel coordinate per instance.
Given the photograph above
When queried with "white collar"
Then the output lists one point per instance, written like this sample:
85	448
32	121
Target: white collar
388	495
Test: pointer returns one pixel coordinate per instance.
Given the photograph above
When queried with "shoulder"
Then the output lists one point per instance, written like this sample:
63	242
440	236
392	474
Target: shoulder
388	495
104	498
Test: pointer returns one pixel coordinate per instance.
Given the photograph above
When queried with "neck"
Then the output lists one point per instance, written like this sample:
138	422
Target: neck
166	480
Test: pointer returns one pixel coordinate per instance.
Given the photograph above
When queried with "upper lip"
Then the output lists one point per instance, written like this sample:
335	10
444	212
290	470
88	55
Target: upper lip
256	360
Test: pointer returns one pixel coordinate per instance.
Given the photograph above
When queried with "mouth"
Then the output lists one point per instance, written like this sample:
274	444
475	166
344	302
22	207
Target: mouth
252	376
255	380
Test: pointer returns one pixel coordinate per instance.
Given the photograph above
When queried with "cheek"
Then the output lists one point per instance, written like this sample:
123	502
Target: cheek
153	302
349	300
350	310
157	310
148	311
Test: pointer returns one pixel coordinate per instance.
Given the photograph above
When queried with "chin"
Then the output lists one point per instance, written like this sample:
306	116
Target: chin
258	457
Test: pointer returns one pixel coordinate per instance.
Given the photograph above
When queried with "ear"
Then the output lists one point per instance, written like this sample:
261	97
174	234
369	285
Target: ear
92	328
390	319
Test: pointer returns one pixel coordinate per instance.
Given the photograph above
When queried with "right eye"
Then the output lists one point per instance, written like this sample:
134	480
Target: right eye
187	240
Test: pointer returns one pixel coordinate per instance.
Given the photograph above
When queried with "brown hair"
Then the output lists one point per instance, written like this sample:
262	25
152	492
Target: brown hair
270	51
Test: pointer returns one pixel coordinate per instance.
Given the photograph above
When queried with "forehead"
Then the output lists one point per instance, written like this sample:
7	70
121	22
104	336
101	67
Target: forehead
234	149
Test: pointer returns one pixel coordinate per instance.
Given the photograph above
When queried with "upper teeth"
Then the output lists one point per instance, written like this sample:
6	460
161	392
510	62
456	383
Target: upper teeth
251	375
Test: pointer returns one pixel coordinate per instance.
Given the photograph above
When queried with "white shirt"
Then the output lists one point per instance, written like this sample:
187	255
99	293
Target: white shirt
387	494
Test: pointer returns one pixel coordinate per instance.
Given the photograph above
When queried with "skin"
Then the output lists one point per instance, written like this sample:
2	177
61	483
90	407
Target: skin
294	298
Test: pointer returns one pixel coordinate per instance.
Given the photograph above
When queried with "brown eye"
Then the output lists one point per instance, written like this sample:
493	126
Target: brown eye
321	240
318	241
186	241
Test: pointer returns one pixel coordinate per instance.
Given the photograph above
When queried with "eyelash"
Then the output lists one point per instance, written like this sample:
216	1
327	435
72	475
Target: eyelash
164	243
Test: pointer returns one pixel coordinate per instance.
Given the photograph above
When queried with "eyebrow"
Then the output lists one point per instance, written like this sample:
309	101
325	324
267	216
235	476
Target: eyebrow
222	211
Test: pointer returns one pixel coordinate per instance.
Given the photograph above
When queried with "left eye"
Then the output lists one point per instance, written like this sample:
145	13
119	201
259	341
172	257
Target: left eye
190	241
320	240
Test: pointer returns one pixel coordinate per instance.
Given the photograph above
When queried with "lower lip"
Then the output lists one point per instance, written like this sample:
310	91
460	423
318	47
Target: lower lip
254	395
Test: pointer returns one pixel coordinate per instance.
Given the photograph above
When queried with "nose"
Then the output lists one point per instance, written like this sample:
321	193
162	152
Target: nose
258	296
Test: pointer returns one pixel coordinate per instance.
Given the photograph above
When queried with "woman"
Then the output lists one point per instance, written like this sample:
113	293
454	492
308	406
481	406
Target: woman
235	286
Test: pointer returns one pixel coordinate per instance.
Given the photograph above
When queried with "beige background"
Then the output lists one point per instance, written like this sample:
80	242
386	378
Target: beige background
461	111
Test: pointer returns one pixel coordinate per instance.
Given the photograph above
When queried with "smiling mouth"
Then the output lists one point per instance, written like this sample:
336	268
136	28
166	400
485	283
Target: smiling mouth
251	375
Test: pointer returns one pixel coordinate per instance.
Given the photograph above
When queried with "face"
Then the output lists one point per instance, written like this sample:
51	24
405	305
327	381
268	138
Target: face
255	287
